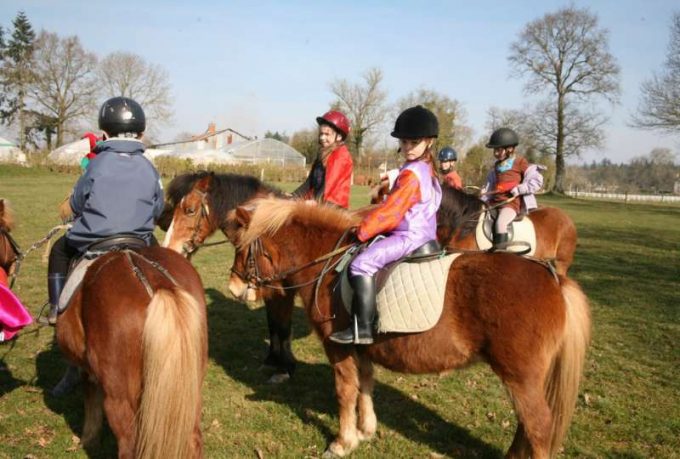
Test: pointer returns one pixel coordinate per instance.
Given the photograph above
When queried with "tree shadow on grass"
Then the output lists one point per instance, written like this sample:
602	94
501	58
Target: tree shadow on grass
235	331
50	366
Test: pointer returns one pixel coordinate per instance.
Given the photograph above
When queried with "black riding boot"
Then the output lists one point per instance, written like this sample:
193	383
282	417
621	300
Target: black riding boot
500	241
67	383
55	284
363	313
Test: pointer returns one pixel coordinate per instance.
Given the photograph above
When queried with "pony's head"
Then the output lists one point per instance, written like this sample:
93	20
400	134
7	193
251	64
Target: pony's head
6	216
379	191
190	208
198	203
273	236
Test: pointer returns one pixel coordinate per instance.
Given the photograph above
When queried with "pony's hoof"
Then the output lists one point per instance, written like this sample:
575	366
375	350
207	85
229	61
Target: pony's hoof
278	378
365	435
334	450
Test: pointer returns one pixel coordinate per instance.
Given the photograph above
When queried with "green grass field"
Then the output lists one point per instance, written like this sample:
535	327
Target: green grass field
627	261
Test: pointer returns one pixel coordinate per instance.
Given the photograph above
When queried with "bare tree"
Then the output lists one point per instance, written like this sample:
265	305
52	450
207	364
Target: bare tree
659	106
476	164
129	75
453	130
364	105
581	128
565	54
306	141
64	88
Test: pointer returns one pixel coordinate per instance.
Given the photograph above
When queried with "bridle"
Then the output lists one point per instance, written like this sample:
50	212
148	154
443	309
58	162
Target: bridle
253	277
190	246
254	280
11	247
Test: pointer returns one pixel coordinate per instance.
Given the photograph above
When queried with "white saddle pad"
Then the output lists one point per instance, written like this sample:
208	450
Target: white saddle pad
75	278
522	230
413	296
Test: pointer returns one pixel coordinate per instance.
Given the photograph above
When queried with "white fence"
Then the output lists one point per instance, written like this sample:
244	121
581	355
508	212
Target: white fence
625	196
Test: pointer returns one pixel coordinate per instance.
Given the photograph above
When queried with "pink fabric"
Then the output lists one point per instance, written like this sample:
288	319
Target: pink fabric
13	314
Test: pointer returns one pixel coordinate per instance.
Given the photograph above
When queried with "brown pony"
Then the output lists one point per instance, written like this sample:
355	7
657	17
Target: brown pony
137	328
532	328
459	212
9	250
196	207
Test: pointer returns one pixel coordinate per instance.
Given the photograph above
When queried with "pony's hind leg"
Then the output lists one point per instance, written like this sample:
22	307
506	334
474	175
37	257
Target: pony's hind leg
94	415
121	417
367	420
532	437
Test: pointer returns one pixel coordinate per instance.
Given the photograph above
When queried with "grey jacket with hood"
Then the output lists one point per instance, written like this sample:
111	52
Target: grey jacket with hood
120	192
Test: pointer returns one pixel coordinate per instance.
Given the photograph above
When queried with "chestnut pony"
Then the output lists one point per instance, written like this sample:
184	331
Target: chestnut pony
531	327
196	207
9	251
459	212
137	329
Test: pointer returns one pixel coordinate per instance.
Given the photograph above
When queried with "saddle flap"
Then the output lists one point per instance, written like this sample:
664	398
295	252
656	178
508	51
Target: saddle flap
521	230
410	295
75	278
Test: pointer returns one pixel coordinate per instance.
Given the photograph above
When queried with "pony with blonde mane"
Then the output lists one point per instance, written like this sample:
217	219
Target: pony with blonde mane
532	329
137	328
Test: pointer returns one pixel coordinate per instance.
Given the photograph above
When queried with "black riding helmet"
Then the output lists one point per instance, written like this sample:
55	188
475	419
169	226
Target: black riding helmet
503	137
121	114
415	123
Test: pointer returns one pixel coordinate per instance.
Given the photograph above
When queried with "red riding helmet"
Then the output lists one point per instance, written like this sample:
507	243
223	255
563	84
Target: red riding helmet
337	120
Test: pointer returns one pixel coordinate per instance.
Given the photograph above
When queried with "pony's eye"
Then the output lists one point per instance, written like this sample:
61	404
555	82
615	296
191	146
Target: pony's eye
190	211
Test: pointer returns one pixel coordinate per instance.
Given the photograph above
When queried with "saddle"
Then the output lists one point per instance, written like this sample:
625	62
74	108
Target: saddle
95	250
520	230
410	291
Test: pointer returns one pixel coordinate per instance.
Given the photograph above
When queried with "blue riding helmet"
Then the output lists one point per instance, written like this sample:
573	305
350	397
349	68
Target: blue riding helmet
447	154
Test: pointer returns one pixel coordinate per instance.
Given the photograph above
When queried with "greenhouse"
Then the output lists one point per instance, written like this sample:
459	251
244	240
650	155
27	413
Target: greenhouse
258	151
10	153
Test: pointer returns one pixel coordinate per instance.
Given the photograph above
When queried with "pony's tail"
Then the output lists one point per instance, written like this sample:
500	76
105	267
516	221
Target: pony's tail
173	342
562	383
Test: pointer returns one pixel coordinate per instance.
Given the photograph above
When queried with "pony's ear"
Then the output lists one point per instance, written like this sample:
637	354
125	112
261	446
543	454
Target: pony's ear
242	216
204	184
2	206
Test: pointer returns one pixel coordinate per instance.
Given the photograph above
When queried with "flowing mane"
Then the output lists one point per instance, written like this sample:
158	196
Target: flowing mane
6	216
270	214
459	210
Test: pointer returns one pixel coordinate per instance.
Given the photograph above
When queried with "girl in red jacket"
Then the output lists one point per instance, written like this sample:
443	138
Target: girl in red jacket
331	174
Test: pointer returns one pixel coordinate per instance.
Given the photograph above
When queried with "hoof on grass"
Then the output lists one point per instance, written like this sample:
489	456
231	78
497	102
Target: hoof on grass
278	378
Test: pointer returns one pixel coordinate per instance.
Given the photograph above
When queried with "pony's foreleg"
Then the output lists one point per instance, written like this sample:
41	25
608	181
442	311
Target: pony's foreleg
94	414
346	390
367	420
279	318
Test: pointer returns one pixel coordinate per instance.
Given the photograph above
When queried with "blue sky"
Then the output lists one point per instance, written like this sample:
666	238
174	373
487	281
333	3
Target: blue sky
263	65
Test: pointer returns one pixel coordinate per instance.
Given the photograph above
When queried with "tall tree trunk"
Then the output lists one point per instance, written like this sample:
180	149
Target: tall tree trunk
60	133
560	170
22	121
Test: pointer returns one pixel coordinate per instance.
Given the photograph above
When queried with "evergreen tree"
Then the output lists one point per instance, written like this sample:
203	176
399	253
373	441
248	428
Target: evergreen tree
16	74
